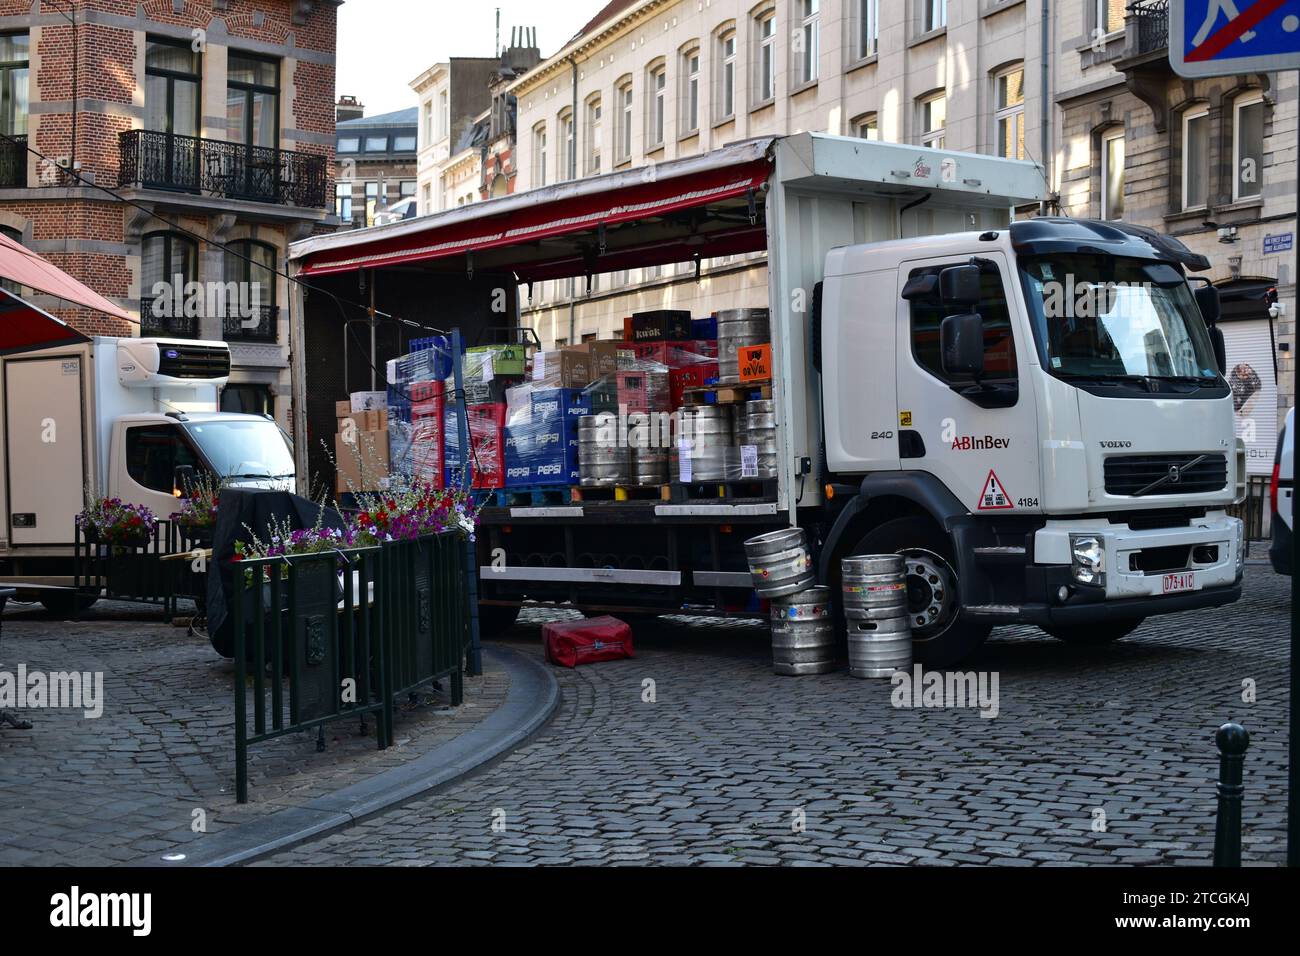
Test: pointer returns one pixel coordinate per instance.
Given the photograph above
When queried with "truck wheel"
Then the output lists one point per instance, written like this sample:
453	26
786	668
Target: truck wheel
496	619
939	636
1103	632
66	605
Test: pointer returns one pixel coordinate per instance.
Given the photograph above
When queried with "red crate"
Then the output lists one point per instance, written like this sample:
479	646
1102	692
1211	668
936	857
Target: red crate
689	376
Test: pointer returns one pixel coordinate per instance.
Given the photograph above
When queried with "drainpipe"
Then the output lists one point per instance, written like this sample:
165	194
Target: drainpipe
1045	109
573	174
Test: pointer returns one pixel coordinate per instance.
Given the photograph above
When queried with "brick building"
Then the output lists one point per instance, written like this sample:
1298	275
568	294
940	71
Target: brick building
211	116
376	163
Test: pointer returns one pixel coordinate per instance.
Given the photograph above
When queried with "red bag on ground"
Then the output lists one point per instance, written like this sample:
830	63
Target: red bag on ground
570	643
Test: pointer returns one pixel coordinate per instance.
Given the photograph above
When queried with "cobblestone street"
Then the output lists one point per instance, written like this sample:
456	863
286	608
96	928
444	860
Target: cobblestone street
1097	756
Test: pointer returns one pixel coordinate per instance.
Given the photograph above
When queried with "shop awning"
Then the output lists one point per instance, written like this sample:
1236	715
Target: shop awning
20	265
652	215
23	327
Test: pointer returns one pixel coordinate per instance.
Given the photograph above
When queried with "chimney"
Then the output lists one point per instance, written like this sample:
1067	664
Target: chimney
348	108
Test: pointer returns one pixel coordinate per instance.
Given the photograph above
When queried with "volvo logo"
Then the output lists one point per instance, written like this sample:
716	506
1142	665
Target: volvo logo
1175	474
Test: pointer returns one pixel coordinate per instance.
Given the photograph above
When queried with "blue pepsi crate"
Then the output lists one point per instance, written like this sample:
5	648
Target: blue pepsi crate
706	328
567	403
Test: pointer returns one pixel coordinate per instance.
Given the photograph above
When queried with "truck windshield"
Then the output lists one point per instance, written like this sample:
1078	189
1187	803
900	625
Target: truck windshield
244	448
1105	317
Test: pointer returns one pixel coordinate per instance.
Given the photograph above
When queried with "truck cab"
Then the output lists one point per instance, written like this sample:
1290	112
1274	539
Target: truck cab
1061	446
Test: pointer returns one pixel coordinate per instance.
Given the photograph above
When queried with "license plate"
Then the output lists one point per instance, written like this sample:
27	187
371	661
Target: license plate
1183	581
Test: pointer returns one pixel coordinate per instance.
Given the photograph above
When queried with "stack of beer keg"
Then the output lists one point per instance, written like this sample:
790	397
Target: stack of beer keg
757	427
603	461
803	632
738	328
875	611
649	459
704	433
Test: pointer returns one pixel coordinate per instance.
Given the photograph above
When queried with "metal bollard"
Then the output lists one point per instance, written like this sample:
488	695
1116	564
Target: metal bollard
1232	741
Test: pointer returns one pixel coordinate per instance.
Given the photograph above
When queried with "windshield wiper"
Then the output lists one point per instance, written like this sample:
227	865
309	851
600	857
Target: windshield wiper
1105	377
261	475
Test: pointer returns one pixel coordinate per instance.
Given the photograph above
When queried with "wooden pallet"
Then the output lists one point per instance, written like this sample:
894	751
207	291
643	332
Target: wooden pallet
582	493
764	488
727	394
531	496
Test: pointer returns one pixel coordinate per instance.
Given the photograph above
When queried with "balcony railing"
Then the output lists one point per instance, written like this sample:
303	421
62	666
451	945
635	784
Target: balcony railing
1152	20
172	326
212	167
262	326
13	162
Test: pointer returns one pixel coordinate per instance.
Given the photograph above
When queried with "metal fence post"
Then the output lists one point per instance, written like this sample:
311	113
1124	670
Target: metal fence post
1232	741
475	664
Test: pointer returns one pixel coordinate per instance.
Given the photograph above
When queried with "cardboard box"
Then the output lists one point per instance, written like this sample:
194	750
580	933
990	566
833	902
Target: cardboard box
362	464
343	409
365	401
604	358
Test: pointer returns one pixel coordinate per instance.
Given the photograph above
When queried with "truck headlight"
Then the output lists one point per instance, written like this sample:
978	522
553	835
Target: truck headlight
1241	546
1087	560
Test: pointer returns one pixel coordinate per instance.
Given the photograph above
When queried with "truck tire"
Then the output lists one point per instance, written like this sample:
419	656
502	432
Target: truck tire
67	605
1103	632
939	635
496	619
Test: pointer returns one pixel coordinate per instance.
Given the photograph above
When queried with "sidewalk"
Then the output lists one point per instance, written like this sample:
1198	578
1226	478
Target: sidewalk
158	765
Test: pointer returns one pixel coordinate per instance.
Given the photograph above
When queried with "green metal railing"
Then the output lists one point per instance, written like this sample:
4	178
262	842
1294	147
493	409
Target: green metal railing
326	636
136	574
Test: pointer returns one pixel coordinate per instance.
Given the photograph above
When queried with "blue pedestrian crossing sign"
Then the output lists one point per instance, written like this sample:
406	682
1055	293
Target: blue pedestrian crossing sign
1226	37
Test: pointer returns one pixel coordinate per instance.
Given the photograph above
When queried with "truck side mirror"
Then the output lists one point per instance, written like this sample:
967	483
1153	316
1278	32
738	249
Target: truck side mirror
182	480
1207	300
961	344
1220	349
960	285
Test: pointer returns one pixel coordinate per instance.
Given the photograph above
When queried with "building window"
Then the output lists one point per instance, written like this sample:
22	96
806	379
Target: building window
343	201
248	399
624	132
539	155
1247	146
566	158
934	117
999	346
404	144
1109	15
727	75
867	126
934	15
867	33
426	199
1112	175
372	202
13	84
809	36
171	88
251	266
658	90
429	136
1196	159
765	59
167	262
690	92
592	136
13	235
1010	115
253	100
406	188
444	115
349	144
376	144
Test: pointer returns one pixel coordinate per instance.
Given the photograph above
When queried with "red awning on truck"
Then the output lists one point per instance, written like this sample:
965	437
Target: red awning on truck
646	216
23	327
20	265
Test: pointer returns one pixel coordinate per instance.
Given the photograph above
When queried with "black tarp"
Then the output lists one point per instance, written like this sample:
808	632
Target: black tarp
242	513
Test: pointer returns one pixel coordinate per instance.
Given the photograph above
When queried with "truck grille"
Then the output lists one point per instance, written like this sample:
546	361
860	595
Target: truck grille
193	361
1129	474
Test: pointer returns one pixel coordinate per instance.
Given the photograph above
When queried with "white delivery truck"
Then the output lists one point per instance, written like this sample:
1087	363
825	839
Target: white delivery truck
114	417
1033	412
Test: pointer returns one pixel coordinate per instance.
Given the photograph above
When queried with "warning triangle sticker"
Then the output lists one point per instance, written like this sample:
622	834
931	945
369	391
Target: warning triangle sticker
994	495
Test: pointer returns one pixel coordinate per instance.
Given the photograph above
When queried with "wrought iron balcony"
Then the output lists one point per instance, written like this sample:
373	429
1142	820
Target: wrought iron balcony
13	162
1151	20
212	167
262	326
173	326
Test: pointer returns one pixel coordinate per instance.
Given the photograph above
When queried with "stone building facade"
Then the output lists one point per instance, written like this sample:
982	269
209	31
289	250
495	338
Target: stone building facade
213	117
655	80
1211	161
376	164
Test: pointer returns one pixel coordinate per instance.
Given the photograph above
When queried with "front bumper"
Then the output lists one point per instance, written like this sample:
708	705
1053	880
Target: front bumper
1056	597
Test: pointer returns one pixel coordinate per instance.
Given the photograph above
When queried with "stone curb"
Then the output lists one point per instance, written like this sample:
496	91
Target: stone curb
529	703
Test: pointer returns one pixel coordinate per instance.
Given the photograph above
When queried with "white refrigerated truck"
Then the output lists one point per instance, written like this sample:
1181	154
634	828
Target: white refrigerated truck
114	417
1033	412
